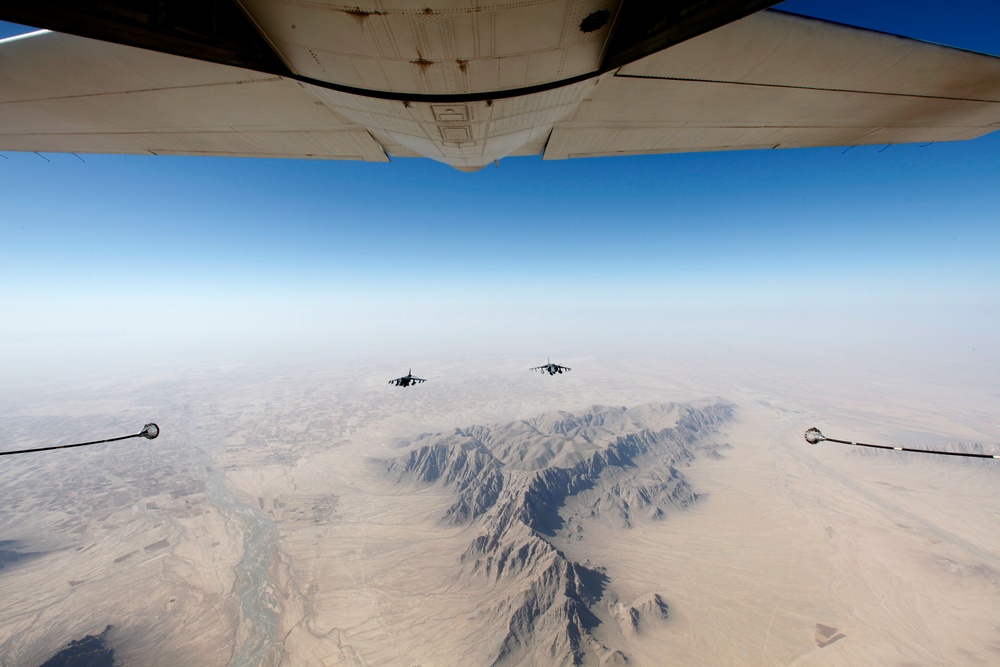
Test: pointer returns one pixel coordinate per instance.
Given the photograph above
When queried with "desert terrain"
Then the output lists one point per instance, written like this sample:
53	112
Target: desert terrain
633	511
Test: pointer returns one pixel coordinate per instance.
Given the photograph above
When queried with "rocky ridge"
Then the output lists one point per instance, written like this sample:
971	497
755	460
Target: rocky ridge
520	485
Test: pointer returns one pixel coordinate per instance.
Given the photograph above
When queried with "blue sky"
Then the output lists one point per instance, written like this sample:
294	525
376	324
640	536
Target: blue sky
169	255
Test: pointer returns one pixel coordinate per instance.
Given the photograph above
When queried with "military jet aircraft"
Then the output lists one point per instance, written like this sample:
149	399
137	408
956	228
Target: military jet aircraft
468	83
550	368
406	380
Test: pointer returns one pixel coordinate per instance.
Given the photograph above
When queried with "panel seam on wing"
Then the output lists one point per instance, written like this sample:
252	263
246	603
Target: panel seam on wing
145	90
792	87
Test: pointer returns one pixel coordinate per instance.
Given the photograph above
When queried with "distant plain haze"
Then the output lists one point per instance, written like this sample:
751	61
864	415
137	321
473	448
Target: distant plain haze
121	261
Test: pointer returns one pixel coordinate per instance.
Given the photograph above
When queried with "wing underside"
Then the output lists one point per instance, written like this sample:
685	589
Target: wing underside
63	93
777	80
771	80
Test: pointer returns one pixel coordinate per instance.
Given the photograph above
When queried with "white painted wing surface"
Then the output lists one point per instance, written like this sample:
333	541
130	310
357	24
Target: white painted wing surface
777	80
63	93
772	80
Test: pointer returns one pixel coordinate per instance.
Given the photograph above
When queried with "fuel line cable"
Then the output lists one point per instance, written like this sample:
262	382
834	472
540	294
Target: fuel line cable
814	436
149	431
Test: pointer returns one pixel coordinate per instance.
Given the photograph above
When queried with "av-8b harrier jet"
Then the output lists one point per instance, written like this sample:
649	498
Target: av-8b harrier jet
406	380
551	368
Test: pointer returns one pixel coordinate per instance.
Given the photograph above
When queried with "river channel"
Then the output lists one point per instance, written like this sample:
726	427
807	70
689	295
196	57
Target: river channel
255	639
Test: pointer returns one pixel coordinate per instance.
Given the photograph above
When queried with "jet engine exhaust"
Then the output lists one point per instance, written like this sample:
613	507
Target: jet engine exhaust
149	431
814	436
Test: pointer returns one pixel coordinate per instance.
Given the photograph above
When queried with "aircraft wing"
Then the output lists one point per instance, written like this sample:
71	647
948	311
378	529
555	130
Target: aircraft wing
778	80
770	80
63	93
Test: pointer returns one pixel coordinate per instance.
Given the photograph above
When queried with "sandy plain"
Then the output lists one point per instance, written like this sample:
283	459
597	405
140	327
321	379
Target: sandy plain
796	555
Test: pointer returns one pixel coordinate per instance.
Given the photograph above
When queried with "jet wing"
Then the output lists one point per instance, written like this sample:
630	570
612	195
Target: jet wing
408	378
778	80
63	93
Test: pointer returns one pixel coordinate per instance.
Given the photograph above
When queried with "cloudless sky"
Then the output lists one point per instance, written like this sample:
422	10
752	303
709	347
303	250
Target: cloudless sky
178	258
